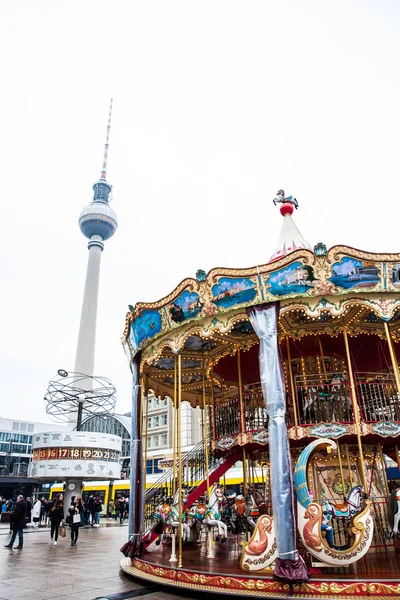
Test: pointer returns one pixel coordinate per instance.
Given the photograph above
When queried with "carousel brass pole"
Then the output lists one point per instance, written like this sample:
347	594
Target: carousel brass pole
175	429
322	357
355	410
292	388
242	422
396	449
180	458
392	356
205	434
348	464
341	469
384	470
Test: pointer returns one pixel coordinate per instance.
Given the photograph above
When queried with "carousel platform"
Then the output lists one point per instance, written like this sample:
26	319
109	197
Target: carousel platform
377	574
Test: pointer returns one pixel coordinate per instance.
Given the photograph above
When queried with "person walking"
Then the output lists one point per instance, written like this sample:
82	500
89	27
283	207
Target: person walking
97	510
36	511
10	509
56	515
75	518
18	524
110	508
121	509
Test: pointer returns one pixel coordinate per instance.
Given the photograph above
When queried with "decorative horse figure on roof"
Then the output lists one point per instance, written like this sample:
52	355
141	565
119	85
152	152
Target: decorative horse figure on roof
313	520
281	199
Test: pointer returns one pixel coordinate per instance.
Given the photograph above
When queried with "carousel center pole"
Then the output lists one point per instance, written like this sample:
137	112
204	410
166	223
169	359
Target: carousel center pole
173	557
180	458
205	431
292	388
348	464
242	421
355	410
321	351
174	433
341	470
392	356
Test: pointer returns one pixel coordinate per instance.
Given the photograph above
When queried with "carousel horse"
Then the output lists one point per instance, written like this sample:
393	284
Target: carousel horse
243	513
393	513
257	499
166	515
347	509
315	522
213	515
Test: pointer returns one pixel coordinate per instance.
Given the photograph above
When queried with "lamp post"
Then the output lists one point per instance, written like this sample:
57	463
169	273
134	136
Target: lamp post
81	400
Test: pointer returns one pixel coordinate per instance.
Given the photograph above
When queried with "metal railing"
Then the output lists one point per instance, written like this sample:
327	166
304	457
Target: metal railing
378	397
193	469
322	402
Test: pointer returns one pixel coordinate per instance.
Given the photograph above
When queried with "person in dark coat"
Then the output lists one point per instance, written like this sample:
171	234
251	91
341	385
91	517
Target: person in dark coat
19	522
75	518
56	514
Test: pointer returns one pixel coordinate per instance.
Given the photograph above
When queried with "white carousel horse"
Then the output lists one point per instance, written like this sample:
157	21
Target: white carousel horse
348	508
312	521
393	513
212	516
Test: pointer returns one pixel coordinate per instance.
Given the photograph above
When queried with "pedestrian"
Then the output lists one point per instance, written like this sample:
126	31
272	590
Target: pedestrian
121	509
18	524
36	512
56	515
28	510
10	509
97	510
110	508
75	518
90	510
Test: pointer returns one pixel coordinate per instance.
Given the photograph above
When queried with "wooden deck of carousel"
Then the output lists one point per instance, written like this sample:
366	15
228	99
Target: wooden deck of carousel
377	574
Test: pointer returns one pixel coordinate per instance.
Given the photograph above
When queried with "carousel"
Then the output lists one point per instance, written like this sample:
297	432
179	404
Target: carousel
294	366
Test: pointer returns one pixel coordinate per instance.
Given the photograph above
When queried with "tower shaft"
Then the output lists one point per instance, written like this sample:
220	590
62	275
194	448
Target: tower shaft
85	352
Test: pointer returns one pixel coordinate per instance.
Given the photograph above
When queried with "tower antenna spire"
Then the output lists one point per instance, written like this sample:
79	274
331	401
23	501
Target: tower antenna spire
103	174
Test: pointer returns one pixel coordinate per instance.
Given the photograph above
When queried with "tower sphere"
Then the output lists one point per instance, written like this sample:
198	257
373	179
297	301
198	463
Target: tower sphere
98	218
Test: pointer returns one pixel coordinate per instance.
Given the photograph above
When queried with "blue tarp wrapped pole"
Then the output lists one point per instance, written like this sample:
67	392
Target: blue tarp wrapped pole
136	495
289	566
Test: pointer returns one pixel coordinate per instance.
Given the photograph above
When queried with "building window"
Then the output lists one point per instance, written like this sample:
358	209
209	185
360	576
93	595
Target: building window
15	426
163	439
155	441
150	403
149	467
149	423
164	419
156	422
30	427
149	442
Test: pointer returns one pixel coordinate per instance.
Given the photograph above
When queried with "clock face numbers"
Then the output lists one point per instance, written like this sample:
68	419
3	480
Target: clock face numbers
76	454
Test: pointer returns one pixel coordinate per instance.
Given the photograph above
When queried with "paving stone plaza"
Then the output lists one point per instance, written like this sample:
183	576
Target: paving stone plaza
86	571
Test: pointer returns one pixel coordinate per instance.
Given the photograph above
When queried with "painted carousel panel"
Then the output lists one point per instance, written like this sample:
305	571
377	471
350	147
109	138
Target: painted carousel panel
186	306
349	273
296	278
144	327
230	291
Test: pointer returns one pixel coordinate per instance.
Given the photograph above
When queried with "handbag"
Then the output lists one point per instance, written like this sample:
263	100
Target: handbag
76	518
63	533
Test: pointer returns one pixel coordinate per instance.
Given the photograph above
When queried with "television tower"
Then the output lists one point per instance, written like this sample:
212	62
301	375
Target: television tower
98	222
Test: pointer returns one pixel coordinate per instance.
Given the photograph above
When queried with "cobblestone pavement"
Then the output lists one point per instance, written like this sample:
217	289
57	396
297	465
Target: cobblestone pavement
89	570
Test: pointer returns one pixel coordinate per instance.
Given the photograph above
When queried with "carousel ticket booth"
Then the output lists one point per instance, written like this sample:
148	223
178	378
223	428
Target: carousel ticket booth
294	365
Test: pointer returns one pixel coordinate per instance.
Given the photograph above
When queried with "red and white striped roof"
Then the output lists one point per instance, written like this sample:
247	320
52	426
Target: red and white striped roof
290	238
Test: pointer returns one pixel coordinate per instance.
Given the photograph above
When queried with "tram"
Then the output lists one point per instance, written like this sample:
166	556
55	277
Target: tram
294	365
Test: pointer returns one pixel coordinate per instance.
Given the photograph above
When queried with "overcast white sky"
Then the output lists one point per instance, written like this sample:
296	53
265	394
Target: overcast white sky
217	104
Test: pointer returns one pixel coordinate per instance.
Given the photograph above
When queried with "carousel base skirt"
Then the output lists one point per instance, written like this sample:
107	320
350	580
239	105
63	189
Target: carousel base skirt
377	574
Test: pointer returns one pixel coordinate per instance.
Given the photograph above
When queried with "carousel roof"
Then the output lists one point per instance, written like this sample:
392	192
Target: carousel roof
319	291
290	238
